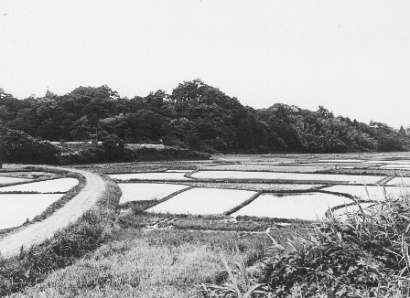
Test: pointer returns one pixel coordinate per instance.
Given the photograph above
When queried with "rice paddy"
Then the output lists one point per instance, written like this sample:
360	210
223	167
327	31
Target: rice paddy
400	181
203	201
287	184
308	206
11	180
48	186
268	187
342	160
147	191
368	192
17	208
150	176
352	179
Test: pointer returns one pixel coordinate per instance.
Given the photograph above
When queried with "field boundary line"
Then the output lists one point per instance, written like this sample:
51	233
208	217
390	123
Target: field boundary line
173	195
357	202
189	175
340	194
385	180
32	181
243	204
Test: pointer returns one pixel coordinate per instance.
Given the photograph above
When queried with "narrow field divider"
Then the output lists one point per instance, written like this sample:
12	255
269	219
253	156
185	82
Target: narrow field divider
341	194
329	212
385	180
28	182
189	175
174	194
247	202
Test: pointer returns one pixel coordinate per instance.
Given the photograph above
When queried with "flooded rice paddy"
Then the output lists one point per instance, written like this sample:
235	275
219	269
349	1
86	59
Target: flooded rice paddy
48	186
17	208
400	181
342	160
147	191
353	179
10	180
289	186
308	206
203	201
151	176
368	192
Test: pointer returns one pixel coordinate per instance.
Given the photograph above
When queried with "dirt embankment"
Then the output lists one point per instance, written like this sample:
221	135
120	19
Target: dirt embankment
40	231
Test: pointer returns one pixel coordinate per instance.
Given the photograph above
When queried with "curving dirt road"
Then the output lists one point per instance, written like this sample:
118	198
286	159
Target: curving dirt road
70	212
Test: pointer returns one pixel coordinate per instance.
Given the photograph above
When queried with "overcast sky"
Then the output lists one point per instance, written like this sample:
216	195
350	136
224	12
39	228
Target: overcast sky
353	57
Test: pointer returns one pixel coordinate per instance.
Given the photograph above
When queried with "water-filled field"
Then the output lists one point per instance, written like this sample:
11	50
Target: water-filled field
342	160
368	192
397	167
48	186
278	187
308	206
400	181
203	201
147	191
9	180
353	179
17	208
150	176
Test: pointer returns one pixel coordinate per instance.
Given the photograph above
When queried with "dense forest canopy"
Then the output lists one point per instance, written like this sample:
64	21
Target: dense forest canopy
195	116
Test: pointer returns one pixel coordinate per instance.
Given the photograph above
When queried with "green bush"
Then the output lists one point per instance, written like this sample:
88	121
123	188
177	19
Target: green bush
19	147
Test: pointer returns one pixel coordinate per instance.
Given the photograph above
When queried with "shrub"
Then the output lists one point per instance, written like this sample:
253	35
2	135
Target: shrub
19	147
365	255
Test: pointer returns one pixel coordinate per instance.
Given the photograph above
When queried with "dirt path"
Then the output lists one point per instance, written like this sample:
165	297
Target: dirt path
40	231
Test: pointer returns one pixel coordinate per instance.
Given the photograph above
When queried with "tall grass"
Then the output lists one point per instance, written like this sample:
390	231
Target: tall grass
161	263
365	255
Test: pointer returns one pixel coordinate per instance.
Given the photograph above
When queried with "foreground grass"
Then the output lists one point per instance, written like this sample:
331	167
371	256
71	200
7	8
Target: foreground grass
365	255
161	263
141	219
149	257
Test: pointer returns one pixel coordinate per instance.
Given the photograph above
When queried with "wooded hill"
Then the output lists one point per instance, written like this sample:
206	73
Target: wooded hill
195	116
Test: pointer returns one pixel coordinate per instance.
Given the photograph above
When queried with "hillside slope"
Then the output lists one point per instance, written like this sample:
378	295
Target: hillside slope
195	116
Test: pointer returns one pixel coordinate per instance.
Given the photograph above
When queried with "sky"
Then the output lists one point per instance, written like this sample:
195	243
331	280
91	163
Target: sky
352	57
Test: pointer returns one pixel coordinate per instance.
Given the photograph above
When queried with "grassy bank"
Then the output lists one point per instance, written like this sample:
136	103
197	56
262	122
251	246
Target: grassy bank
161	263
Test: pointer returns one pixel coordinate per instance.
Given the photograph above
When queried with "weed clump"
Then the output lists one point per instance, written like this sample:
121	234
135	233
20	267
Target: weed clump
364	255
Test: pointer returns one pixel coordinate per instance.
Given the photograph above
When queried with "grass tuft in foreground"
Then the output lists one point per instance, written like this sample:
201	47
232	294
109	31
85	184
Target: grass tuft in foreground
365	255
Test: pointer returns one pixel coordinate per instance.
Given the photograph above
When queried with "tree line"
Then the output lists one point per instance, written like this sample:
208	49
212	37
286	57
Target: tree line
195	116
